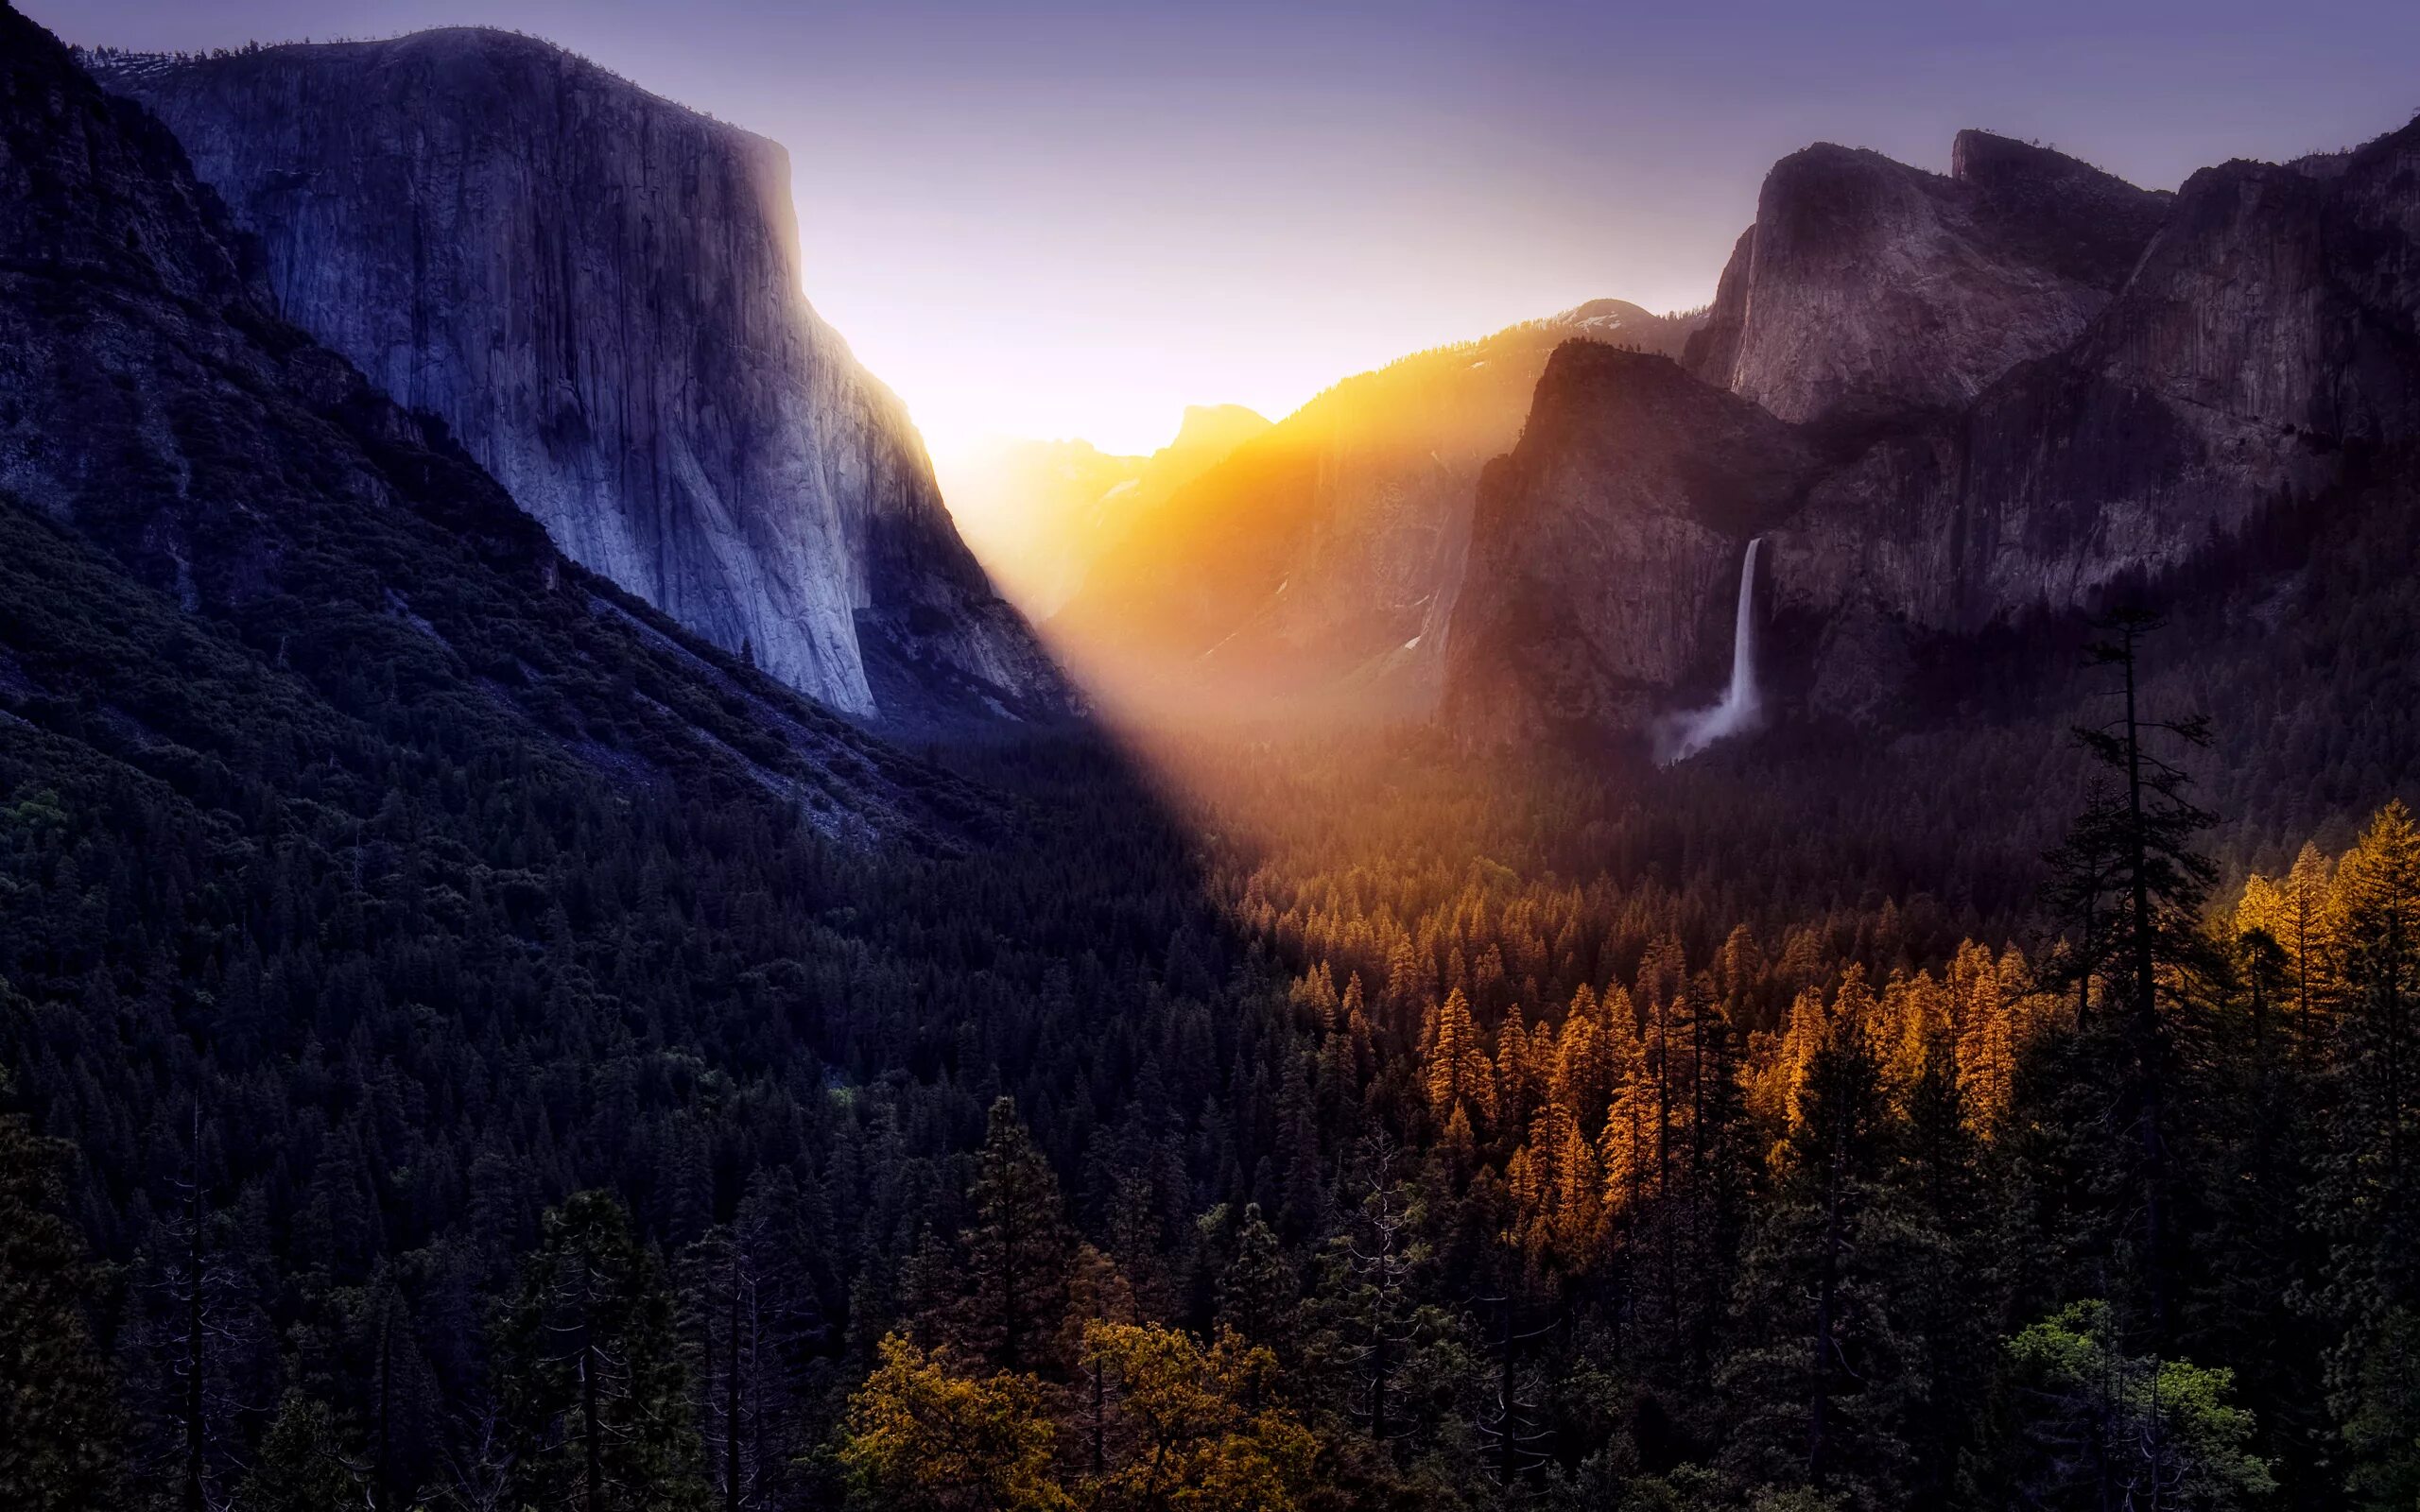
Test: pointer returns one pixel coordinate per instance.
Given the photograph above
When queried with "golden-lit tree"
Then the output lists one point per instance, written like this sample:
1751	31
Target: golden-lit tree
1199	1427
920	1438
2301	915
1524	1058
1459	1073
1560	1190
1582	1075
1778	1066
1626	1148
1914	1019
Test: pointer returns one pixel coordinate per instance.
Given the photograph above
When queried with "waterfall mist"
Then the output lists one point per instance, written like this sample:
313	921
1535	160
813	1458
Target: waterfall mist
1682	736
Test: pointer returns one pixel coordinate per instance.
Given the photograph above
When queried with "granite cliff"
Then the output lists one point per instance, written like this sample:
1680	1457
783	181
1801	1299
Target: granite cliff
227	562
598	291
1867	287
2020	389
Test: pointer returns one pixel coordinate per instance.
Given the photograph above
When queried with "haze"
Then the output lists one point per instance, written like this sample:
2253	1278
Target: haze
1075	220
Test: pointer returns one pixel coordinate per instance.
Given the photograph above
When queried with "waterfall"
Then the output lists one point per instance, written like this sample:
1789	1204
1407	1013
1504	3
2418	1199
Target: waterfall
1738	707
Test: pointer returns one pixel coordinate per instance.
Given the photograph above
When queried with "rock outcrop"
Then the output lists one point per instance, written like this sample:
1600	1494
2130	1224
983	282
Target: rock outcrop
271	562
1868	288
1314	571
2022	386
600	292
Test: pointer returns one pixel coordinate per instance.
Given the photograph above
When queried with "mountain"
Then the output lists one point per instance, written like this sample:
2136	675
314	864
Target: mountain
1041	512
1316	569
1868	288
2014	393
240	583
598	291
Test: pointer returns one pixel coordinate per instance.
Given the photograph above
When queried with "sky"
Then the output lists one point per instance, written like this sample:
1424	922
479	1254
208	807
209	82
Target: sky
1074	219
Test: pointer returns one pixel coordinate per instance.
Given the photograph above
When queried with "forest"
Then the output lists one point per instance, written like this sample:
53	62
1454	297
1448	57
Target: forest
1256	1123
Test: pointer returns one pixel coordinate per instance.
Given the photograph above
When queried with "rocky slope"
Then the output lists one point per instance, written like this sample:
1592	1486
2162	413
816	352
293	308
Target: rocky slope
598	291
2024	386
1316	569
231	562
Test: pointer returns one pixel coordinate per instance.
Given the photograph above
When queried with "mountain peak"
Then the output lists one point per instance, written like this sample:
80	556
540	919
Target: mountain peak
1222	427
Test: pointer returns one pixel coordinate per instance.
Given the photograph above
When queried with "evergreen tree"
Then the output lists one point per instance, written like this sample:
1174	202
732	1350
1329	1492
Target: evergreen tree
1259	1291
2368	1200
60	1448
302	1466
1827	1373
2133	884
595	1396
1014	1256
749	1310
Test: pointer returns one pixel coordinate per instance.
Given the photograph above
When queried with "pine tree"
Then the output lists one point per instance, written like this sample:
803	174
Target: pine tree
2133	885
595	1395
749	1306
1459	1073
199	1345
1013	1275
302	1466
1946	1294
1826	1373
59	1448
1258	1290
2368	1201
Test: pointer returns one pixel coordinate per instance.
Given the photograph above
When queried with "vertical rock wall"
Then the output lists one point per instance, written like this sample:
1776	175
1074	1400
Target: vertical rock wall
599	291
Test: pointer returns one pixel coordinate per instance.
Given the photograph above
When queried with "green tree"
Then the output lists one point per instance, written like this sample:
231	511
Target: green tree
1259	1291
595	1396
302	1466
59	1438
2098	1428
1017	1253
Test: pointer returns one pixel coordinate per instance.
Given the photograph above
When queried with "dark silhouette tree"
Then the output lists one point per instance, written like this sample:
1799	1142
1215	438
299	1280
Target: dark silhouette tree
1015	1255
595	1396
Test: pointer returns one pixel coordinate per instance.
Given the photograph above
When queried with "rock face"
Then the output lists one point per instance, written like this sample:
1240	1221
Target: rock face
598	291
1316	569
2020	387
1630	495
241	535
1867	287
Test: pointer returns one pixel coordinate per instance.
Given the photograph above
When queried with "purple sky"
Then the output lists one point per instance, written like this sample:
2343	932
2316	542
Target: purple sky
1073	219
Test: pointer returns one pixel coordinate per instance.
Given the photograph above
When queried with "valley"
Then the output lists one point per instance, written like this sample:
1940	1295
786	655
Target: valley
1799	906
